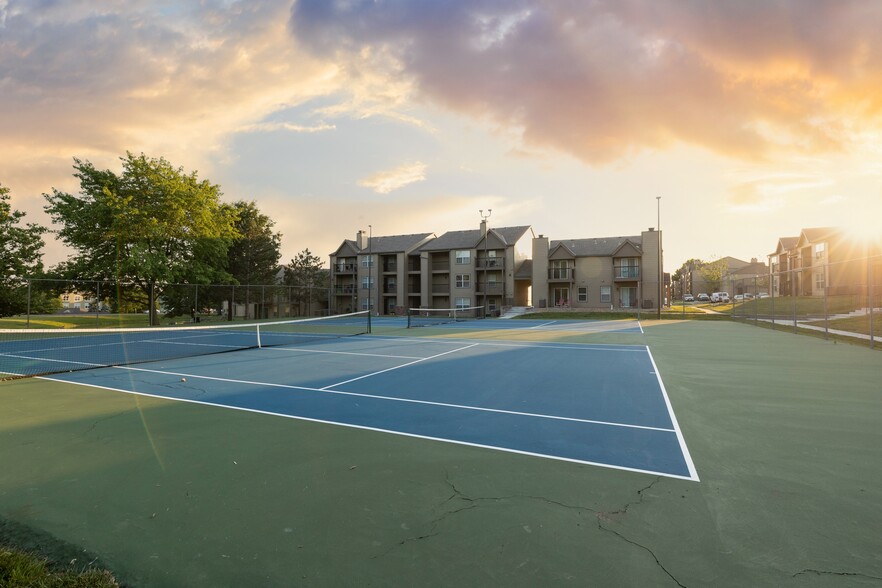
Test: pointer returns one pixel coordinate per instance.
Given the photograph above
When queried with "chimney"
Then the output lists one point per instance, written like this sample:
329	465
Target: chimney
483	227
361	240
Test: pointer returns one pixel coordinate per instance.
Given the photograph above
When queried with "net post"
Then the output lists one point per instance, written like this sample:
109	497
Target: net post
257	328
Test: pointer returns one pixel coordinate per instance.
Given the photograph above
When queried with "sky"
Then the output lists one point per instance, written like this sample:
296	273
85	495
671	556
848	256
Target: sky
727	124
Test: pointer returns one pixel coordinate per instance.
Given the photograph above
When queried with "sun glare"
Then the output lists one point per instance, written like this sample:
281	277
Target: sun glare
865	227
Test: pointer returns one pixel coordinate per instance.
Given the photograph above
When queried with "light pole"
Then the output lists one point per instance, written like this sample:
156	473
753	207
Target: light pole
658	223
486	279
370	269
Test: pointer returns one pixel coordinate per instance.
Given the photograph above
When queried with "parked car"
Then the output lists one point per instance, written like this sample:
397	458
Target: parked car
762	295
739	297
720	297
703	297
688	298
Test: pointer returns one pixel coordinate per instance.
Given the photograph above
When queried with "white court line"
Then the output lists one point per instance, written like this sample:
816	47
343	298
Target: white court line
527	345
362	395
304	350
542	325
641	328
398	367
685	450
379	430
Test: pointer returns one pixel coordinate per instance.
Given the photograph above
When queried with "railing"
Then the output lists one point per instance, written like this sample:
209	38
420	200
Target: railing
341	290
387	288
413	266
438	266
493	288
490	263
440	288
561	273
345	268
626	272
390	267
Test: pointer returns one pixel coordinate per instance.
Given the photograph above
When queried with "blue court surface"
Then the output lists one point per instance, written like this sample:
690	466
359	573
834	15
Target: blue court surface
595	404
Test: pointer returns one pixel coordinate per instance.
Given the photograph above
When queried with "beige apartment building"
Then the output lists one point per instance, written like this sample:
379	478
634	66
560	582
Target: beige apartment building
496	268
824	259
598	273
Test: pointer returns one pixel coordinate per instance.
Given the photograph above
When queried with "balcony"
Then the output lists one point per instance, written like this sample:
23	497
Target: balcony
441	288
626	273
561	274
390	288
413	265
345	268
490	263
491	289
390	267
346	290
441	266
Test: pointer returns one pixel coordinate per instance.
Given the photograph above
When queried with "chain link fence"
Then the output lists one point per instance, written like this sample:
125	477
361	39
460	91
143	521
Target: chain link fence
176	303
842	299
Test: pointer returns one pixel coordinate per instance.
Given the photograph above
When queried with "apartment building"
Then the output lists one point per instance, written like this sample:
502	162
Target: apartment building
496	268
598	273
824	259
377	273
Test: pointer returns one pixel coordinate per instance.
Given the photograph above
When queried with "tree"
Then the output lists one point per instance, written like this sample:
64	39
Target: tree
253	257
713	272
309	279
21	253
150	225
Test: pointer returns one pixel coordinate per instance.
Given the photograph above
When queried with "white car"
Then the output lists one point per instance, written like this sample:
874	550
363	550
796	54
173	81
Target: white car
720	297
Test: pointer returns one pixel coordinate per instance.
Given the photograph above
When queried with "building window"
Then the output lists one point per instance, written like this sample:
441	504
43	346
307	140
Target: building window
463	280
463	257
819	280
367	261
819	250
367	303
462	303
606	293
583	294
367	283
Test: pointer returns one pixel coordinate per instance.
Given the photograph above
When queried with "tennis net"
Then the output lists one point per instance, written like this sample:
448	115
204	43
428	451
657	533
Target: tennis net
34	352
426	317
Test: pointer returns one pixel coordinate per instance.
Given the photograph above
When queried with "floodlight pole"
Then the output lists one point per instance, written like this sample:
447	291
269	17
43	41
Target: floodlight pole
370	273
659	260
486	278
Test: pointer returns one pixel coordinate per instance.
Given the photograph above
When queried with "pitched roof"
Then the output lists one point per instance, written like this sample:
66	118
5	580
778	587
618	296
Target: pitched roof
395	243
599	247
471	238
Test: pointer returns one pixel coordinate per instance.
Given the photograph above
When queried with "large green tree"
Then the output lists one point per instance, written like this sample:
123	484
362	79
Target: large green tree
149	225
21	256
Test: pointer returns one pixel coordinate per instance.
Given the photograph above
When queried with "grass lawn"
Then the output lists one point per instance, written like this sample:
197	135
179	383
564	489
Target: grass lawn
81	321
20	568
856	324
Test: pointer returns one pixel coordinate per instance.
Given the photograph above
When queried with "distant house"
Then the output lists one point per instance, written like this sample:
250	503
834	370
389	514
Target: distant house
747	278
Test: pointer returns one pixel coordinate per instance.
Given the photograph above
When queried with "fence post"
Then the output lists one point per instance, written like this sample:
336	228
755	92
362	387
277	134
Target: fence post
870	295
28	321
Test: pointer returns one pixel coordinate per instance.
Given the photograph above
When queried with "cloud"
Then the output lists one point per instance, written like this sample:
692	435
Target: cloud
606	80
268	127
387	181
93	79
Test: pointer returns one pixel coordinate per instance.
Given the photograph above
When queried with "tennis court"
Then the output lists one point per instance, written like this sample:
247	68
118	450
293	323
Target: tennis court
487	453
595	404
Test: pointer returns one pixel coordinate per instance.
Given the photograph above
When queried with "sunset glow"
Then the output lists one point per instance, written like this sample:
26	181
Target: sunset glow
333	116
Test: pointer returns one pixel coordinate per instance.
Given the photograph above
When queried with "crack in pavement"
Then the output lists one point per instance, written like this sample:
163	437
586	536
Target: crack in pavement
830	573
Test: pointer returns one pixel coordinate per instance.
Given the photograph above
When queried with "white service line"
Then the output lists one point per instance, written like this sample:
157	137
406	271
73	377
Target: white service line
343	393
397	367
303	350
